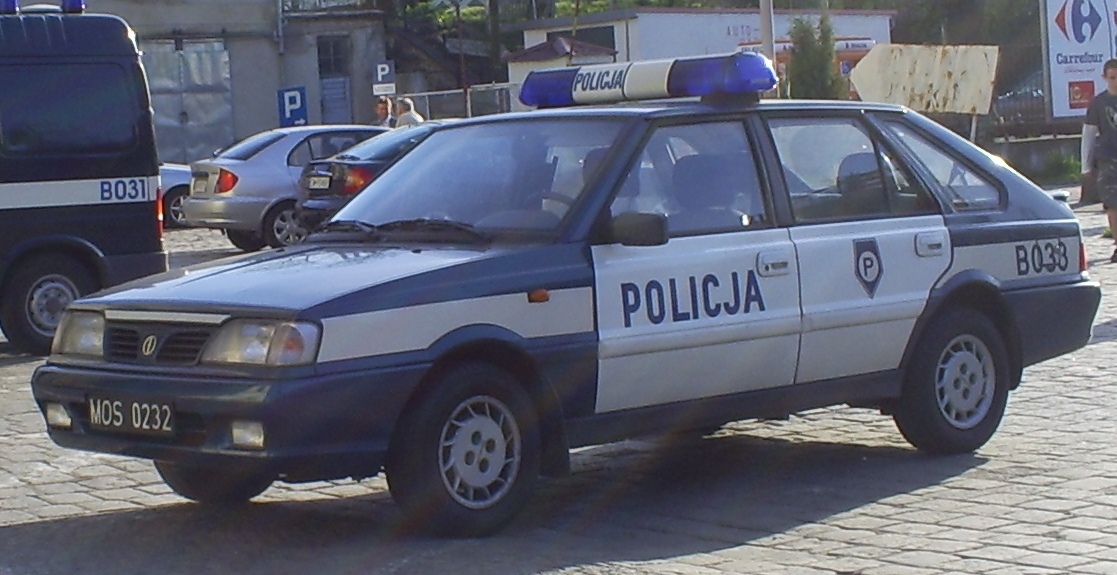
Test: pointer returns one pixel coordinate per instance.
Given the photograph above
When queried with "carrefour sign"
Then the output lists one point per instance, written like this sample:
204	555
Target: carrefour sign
1080	35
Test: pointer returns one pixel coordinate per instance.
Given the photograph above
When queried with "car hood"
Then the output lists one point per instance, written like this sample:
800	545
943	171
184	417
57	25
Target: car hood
290	279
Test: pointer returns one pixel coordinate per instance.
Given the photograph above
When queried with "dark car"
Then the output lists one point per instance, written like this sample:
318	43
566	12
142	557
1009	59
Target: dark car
325	186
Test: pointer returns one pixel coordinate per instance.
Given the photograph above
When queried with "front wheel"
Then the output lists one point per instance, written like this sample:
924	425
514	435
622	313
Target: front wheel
465	459
35	296
213	485
956	387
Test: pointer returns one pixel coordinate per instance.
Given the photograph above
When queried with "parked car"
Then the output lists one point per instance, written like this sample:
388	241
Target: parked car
175	182
327	185
249	189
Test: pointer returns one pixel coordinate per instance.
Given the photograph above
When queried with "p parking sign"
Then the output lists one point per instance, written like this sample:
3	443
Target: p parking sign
292	106
384	78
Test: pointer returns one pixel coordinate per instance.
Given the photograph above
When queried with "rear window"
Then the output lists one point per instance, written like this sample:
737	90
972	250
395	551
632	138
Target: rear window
67	109
250	146
389	145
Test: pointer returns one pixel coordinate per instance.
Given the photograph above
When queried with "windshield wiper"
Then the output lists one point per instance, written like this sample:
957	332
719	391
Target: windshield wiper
434	225
366	229
346	157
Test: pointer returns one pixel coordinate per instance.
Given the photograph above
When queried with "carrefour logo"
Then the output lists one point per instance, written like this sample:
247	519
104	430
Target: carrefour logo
1083	19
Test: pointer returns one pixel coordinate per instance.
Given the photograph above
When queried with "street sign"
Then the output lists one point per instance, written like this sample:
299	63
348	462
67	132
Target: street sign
292	106
384	78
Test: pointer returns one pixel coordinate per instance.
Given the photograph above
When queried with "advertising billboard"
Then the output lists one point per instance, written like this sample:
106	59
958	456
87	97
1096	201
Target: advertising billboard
1079	36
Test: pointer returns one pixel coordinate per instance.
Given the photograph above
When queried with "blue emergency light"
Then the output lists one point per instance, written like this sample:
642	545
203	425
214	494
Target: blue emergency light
9	6
742	73
73	6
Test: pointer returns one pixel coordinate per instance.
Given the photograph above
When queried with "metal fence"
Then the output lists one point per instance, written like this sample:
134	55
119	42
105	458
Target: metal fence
479	100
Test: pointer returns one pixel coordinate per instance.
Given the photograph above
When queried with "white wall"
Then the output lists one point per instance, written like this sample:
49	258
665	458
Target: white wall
669	35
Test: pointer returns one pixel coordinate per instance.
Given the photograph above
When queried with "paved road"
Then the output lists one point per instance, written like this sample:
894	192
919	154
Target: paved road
831	492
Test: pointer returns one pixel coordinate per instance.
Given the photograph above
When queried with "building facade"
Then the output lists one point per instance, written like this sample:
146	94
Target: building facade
216	67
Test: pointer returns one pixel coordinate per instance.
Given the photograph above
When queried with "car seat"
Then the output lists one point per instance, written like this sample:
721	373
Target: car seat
860	185
706	186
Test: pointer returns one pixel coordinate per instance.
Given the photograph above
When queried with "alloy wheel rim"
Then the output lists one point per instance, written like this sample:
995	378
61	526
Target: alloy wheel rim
287	229
965	382
479	452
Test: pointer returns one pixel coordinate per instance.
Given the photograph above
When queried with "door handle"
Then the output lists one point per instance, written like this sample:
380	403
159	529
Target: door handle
930	244
770	264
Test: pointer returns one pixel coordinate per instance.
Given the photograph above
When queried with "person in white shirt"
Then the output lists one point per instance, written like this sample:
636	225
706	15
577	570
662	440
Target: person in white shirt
406	114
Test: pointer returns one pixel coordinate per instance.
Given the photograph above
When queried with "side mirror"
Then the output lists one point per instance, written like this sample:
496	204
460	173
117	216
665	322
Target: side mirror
639	229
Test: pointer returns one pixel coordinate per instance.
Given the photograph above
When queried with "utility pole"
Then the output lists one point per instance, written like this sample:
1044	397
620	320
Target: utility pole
767	29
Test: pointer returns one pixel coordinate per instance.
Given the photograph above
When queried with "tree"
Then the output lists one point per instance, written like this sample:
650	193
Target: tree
812	72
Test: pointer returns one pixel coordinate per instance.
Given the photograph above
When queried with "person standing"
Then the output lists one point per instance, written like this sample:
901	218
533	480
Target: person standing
384	116
1099	145
407	116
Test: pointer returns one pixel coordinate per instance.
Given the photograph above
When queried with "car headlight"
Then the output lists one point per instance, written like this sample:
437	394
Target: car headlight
264	342
80	333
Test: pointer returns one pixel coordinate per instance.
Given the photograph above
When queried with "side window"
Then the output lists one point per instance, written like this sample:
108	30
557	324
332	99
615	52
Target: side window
39	114
301	155
703	177
968	190
835	171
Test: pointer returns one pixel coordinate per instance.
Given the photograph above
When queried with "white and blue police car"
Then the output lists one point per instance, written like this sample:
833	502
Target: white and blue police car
523	284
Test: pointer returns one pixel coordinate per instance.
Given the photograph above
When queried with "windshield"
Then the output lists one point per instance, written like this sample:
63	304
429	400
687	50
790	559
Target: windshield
386	146
514	175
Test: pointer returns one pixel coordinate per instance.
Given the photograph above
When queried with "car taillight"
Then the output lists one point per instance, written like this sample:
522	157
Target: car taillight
225	181
356	179
1083	263
159	209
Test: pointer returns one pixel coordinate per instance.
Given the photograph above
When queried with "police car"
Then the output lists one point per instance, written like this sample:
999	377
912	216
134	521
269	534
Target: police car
523	284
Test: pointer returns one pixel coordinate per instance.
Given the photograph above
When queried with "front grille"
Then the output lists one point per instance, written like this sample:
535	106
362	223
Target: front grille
175	345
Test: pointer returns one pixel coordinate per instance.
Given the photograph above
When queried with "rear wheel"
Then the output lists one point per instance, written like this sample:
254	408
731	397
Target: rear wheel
213	485
36	295
956	387
282	226
466	458
246	241
172	208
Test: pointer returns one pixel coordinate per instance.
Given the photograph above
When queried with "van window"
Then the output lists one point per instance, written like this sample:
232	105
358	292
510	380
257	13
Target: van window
66	109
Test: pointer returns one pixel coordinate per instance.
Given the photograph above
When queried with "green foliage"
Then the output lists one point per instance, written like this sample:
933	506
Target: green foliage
812	72
1058	169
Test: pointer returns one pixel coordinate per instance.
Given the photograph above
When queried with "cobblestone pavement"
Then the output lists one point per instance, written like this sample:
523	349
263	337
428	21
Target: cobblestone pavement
833	491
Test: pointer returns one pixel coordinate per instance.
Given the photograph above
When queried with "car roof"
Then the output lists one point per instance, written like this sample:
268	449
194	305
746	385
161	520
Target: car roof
314	128
682	108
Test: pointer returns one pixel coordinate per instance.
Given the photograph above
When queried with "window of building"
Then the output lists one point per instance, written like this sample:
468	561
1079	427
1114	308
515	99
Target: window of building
334	55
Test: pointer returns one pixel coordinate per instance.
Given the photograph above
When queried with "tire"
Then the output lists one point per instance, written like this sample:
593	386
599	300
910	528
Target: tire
212	485
172	208
282	227
440	467
35	296
956	386
246	241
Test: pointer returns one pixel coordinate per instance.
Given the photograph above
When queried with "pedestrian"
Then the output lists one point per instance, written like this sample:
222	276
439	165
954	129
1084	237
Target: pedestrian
1099	145
406	114
384	116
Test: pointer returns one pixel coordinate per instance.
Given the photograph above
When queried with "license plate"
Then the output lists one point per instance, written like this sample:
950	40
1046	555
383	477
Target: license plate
198	186
135	416
319	182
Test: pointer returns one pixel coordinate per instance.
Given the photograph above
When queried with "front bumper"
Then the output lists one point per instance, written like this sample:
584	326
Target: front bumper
1053	320
244	213
317	428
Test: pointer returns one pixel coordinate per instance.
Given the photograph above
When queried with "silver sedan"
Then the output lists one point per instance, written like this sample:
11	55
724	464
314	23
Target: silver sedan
249	189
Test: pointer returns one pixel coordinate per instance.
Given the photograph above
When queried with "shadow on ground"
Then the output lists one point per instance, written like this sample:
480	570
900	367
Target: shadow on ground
637	501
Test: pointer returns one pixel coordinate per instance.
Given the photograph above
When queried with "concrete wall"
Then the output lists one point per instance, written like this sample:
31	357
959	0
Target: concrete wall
300	68
160	18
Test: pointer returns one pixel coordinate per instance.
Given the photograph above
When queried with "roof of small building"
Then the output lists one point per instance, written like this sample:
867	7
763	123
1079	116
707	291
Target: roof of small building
558	47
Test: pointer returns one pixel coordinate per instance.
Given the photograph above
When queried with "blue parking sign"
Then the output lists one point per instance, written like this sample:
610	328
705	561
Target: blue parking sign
292	106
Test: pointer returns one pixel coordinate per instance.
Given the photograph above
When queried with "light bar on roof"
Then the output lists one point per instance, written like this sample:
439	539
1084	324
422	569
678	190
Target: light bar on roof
9	6
727	74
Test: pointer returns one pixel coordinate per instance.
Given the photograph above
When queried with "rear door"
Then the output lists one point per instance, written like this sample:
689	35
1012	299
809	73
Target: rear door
871	242
715	310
